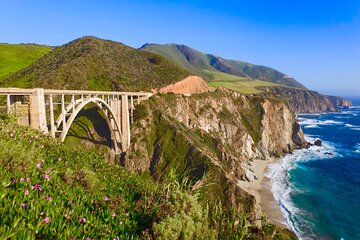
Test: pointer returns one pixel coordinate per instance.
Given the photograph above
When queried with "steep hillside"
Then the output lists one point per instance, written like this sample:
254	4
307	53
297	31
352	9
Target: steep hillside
96	64
52	191
303	101
14	57
207	65
213	136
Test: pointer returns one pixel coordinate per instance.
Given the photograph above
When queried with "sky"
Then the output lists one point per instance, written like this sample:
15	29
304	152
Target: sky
315	41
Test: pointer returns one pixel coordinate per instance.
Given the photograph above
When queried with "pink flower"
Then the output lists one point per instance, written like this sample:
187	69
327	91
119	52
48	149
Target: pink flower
32	187
11	135
106	198
42	160
38	187
38	165
116	238
113	214
46	220
24	205
26	192
28	179
82	220
49	198
127	213
120	222
21	179
47	177
88	238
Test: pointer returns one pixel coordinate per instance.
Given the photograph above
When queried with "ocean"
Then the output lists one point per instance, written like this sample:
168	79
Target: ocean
318	189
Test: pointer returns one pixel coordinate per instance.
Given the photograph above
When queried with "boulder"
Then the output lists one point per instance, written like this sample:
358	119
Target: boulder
318	143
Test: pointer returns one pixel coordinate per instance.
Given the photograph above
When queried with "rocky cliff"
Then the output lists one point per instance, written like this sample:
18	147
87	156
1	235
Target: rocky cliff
213	136
339	101
303	101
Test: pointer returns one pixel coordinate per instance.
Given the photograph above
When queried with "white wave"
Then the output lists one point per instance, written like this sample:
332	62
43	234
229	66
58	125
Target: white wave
311	126
342	117
354	107
353	127
312	123
282	188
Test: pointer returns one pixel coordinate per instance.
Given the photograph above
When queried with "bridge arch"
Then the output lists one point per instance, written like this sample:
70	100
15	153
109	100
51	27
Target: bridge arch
43	104
109	115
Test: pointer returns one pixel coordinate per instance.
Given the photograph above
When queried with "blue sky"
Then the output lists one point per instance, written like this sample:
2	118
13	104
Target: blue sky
317	42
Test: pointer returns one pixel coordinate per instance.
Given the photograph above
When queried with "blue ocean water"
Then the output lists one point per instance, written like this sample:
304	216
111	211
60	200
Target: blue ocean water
318	189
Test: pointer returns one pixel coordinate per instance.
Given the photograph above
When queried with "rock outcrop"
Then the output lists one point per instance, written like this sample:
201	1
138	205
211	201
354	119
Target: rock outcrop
340	102
189	85
303	101
212	135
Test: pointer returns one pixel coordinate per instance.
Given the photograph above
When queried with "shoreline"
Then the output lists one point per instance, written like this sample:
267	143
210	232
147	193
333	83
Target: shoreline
259	187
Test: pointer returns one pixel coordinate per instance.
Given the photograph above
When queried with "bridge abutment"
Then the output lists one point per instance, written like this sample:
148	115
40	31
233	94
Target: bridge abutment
37	110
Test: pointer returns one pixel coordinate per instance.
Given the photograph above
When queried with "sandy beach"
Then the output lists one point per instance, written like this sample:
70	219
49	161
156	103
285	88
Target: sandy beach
260	188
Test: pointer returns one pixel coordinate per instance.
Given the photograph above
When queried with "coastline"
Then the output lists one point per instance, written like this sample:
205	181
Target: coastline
259	187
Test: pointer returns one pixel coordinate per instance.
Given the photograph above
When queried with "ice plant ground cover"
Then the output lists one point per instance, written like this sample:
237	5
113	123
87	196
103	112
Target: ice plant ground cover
52	191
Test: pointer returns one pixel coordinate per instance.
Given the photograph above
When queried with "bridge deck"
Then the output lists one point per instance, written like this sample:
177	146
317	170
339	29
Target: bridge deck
22	91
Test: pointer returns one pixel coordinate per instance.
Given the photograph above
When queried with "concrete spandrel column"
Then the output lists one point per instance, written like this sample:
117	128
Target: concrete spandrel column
38	111
125	122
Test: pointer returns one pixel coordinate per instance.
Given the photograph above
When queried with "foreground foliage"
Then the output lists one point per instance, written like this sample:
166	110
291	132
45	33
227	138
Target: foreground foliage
49	190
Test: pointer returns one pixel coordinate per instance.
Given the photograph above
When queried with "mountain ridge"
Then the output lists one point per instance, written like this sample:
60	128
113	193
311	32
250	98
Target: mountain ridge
197	62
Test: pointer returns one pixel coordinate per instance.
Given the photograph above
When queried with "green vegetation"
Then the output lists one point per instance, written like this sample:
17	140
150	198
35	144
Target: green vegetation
238	84
90	130
223	72
14	57
90	63
50	190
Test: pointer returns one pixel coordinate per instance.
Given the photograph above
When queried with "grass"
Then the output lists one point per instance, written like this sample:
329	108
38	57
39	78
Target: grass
91	63
14	57
236	74
238	84
52	191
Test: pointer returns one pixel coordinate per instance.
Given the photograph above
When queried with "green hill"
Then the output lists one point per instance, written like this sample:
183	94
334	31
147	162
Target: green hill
14	57
218	71
96	64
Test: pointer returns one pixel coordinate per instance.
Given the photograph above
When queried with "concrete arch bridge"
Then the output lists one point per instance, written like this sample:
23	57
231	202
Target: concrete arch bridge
53	111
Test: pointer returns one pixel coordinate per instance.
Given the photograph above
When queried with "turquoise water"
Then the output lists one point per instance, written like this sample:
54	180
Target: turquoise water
319	189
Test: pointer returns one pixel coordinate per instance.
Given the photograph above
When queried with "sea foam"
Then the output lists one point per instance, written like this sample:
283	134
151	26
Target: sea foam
282	188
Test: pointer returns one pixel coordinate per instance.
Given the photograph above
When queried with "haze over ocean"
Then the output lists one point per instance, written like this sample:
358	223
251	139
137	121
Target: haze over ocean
316	42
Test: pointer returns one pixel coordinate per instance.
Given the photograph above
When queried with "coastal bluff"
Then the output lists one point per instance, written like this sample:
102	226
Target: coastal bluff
215	135
305	101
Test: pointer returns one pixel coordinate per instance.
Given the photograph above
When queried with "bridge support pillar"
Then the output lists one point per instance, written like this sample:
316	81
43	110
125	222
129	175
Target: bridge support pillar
37	110
115	106
125	122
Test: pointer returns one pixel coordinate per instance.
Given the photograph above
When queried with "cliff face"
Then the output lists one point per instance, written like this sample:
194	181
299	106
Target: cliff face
303	101
339	101
212	135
